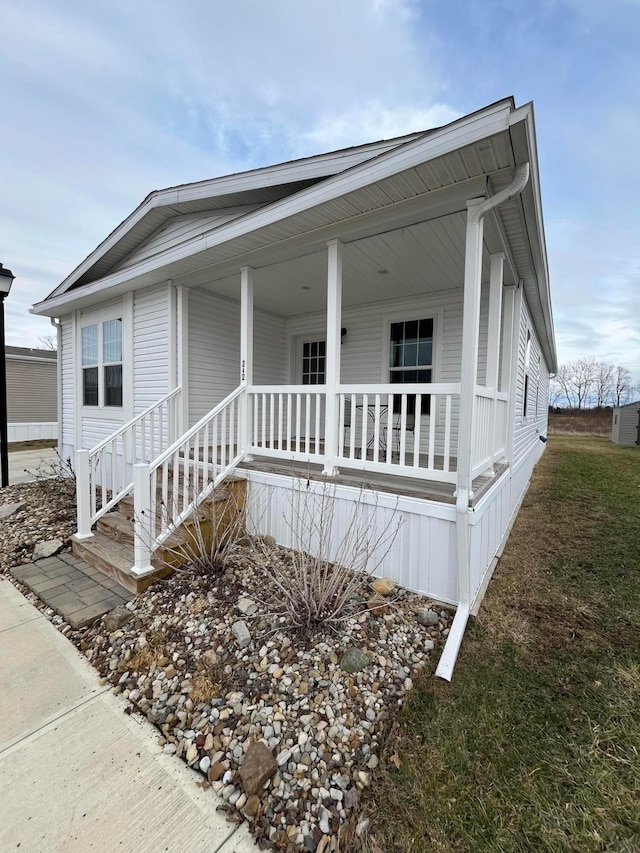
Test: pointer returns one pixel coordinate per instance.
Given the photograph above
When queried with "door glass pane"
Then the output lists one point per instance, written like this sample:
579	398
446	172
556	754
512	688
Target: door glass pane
313	363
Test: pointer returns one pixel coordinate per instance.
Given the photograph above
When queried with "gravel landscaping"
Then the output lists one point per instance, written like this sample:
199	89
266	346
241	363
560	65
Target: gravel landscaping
286	727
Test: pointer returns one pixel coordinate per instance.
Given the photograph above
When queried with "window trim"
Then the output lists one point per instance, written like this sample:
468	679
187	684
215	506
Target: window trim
407	314
117	311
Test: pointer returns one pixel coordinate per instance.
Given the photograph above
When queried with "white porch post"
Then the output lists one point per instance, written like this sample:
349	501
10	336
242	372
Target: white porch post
493	344
183	355
246	355
142	519
83	494
470	336
332	360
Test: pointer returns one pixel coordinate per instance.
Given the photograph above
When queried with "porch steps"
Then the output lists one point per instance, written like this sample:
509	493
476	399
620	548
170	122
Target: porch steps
110	549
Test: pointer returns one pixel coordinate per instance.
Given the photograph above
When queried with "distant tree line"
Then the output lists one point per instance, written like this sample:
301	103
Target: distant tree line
585	383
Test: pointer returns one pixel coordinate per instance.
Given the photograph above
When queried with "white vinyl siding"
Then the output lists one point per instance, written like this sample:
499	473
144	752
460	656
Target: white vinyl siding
150	346
182	228
68	387
214	350
529	428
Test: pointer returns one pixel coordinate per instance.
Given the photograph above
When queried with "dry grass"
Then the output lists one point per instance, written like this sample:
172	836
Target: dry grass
535	745
581	422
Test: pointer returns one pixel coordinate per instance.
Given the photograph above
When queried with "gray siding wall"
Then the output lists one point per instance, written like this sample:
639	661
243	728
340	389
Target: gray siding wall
32	390
625	431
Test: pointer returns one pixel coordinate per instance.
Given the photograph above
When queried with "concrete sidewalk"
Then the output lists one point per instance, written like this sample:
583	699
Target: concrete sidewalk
77	773
23	463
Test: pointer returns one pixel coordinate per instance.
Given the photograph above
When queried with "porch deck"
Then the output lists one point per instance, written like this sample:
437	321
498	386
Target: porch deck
392	484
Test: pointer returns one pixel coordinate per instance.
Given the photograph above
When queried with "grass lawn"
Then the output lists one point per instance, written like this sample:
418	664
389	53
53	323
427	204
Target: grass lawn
535	745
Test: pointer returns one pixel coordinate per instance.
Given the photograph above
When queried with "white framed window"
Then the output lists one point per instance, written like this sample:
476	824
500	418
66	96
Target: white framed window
527	371
101	364
411	351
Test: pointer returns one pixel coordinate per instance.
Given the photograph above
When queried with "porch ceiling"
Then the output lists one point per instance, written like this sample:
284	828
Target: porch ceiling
424	258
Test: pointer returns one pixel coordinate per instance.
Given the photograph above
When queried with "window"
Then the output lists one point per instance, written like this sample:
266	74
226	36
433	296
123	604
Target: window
313	362
101	345
411	358
527	367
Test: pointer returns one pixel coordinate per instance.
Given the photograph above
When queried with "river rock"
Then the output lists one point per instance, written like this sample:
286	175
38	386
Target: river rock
10	509
117	618
47	549
241	633
354	660
383	586
427	617
258	766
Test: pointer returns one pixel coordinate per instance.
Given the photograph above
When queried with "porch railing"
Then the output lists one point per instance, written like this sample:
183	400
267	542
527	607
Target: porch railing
104	474
490	429
168	490
287	420
378	429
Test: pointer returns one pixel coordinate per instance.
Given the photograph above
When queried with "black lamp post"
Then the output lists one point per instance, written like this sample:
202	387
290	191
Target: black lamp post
6	280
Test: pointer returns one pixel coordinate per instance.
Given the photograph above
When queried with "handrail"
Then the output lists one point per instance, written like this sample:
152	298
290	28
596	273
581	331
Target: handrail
104	474
136	419
185	437
168	489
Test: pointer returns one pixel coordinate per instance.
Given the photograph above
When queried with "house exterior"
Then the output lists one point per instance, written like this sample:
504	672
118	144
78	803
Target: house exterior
625	424
32	397
376	318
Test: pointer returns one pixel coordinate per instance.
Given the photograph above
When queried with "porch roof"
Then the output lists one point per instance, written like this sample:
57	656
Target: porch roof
417	180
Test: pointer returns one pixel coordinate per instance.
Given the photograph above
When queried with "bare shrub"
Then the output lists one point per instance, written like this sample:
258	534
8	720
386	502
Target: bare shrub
53	469
317	581
203	543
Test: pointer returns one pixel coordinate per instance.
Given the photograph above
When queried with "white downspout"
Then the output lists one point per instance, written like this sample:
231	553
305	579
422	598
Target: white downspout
476	211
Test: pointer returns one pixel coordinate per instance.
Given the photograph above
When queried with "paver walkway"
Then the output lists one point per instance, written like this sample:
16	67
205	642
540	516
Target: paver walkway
77	773
77	591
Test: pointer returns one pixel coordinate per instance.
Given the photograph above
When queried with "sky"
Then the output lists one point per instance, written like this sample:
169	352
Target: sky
103	102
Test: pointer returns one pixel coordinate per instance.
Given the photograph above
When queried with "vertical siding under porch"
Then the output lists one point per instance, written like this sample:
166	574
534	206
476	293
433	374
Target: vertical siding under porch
422	557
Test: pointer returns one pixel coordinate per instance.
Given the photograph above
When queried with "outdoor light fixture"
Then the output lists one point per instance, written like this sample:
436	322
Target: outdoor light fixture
6	280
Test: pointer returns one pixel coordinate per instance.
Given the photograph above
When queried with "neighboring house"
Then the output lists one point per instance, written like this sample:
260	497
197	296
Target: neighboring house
32	396
378	316
625	424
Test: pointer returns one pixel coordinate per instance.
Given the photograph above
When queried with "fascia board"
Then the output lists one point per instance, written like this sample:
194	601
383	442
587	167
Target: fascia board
317	167
537	240
458	134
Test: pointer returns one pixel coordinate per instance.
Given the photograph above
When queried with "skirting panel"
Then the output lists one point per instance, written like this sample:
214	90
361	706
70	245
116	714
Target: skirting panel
32	432
416	538
491	518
